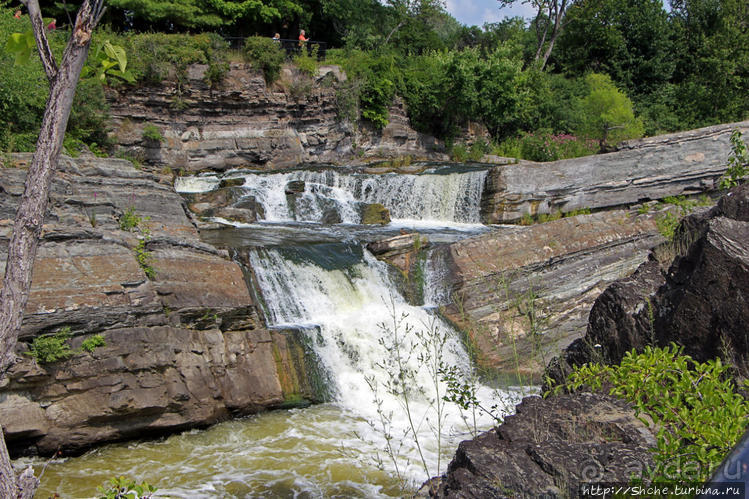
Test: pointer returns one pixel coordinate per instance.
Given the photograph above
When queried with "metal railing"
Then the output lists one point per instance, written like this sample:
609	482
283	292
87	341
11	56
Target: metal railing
291	47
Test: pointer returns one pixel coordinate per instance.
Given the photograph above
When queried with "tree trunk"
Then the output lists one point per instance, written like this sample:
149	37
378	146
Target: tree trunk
33	206
559	11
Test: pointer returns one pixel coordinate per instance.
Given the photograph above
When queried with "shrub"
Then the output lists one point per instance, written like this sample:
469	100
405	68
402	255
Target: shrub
738	162
130	220
121	487
607	114
547	146
266	55
694	407
91	343
152	133
51	347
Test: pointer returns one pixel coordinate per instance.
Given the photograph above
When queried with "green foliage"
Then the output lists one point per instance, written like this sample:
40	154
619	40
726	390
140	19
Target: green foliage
373	80
694	407
545	145
182	15
152	133
154	57
107	60
607	114
306	64
143	256
91	343
51	347
130	220
738	162
125	488
667	224
266	55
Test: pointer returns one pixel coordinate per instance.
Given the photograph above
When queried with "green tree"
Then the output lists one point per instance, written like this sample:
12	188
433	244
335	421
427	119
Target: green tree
628	39
182	15
606	114
548	24
712	53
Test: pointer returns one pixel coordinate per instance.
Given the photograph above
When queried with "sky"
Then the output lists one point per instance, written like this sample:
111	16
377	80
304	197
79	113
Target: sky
478	12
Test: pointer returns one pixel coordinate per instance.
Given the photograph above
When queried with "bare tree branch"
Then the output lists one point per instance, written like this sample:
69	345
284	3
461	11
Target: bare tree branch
40	34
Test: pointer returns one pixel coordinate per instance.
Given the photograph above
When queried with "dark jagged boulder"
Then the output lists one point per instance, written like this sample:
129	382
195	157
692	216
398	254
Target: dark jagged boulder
701	302
549	448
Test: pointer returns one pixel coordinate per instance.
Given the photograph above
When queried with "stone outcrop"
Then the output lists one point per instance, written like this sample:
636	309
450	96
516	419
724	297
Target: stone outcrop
523	293
641	170
548	449
183	349
692	292
246	123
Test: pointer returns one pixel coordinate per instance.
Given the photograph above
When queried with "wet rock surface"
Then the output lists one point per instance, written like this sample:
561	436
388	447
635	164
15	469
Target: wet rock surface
184	347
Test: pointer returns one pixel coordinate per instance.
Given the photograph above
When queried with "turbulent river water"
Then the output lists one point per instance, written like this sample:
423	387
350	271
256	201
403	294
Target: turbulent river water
321	279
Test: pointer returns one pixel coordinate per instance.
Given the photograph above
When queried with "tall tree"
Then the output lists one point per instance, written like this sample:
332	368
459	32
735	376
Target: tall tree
27	228
183	15
548	24
630	40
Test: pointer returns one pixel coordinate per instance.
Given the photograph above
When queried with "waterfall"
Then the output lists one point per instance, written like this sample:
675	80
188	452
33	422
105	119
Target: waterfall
433	196
346	293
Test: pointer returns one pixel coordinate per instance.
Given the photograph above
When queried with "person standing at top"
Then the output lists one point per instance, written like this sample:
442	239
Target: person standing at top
302	38
17	15
277	37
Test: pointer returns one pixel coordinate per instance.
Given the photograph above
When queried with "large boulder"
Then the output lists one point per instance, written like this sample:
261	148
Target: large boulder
549	448
676	164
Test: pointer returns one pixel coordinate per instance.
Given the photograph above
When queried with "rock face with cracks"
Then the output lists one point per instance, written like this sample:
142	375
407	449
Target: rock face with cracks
184	348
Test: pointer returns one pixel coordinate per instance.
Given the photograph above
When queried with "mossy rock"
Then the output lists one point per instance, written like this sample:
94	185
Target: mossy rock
374	214
231	182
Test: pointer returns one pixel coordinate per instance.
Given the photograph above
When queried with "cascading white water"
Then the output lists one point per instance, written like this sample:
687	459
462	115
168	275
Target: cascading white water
347	299
429	197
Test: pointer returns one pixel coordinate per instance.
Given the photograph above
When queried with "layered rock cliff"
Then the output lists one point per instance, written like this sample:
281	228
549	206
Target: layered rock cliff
184	347
246	123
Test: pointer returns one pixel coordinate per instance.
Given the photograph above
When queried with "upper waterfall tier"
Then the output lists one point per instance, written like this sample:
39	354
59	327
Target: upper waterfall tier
441	196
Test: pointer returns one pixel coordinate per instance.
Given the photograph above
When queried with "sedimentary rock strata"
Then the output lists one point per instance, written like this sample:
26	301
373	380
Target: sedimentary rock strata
246	123
184	347
523	293
641	170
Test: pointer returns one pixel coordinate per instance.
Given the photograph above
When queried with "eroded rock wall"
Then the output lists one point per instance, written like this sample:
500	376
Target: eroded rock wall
523	293
246	123
692	292
184	348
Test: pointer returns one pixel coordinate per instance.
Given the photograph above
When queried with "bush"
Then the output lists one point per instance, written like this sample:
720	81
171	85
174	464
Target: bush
694	407
130	220
266	55
51	347
90	344
152	133
547	146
